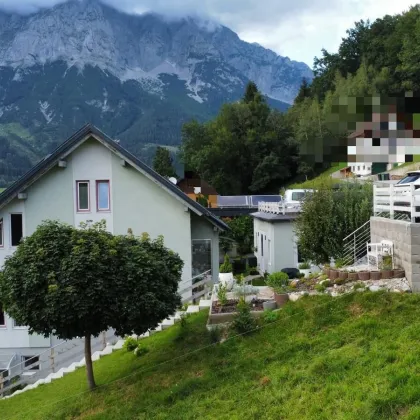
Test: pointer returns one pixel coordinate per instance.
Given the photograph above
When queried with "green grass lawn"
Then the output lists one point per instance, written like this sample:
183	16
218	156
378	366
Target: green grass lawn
321	179
352	357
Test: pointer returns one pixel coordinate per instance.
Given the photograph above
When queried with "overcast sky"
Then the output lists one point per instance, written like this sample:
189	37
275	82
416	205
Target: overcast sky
294	28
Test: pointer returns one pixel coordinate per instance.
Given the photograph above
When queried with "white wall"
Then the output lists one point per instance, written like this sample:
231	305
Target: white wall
92	162
361	168
280	245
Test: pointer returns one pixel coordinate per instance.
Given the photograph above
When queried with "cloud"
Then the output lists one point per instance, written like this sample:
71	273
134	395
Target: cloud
298	29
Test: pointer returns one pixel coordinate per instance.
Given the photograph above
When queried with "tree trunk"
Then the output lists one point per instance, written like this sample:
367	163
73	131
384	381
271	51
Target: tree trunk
88	359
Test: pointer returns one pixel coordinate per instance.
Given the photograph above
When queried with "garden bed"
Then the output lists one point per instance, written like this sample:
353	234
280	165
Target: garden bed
230	306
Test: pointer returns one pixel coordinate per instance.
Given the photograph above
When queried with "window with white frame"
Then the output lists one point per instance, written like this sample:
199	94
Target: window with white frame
1	233
16	325
103	196
31	361
82	196
2	317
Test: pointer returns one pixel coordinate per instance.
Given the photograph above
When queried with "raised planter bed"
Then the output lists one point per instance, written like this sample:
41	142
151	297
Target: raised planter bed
375	275
364	275
353	276
333	274
399	274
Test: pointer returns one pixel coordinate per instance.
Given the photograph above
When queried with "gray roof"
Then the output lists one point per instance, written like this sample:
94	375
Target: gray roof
274	218
51	160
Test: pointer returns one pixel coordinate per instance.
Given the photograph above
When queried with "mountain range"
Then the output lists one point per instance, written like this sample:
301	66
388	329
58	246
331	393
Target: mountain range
137	77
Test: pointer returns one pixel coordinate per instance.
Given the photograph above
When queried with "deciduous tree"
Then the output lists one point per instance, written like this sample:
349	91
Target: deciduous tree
79	282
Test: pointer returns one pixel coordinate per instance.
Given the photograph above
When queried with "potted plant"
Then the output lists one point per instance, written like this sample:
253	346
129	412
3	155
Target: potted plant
333	274
226	273
280	283
343	274
305	268
399	273
326	269
386	267
352	275
375	275
364	275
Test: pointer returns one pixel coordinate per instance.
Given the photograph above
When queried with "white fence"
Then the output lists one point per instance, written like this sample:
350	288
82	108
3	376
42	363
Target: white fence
391	198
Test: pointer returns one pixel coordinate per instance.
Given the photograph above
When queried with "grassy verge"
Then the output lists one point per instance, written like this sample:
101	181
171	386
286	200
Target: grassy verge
320	180
353	357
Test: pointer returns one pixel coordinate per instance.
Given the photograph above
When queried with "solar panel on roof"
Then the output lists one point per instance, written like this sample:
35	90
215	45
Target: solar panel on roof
232	201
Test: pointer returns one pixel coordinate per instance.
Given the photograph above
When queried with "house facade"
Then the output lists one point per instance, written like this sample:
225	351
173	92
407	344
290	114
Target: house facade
90	178
275	242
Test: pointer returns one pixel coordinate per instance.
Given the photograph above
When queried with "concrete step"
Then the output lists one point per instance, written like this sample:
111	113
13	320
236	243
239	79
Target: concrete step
193	309
156	330
96	356
204	303
107	350
119	345
167	323
145	335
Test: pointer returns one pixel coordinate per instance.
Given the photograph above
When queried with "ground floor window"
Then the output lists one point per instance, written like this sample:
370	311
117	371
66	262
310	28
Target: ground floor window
30	360
2	317
16	222
201	256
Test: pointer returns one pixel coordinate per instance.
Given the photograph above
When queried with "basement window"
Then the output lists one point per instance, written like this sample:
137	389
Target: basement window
16	224
83	199
2	317
30	360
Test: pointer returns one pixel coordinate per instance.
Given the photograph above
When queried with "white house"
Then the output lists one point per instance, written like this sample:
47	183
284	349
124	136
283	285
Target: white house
275	242
89	178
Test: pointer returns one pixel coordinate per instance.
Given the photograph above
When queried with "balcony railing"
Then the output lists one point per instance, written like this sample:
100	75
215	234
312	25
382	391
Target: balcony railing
393	199
279	208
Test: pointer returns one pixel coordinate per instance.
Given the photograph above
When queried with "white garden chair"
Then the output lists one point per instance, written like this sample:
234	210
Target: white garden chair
376	252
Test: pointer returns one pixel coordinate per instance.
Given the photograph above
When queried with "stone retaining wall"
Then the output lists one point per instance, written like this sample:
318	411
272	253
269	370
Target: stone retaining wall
406	239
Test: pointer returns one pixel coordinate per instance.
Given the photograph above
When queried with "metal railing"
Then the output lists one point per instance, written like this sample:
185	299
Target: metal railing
198	288
49	361
279	208
354	245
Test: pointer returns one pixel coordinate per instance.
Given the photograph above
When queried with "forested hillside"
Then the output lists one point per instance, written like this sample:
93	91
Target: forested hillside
374	59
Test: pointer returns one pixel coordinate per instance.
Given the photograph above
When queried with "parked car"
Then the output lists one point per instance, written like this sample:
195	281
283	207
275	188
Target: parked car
294	198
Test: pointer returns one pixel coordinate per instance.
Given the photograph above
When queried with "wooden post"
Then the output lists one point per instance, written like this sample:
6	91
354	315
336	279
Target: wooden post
104	339
52	356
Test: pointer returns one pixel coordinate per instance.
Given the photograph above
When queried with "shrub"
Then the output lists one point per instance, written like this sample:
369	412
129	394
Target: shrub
340	281
304	266
215	334
323	277
222	294
320	288
243	321
226	267
131	344
279	282
359	285
270	316
140	350
326	283
339	263
301	275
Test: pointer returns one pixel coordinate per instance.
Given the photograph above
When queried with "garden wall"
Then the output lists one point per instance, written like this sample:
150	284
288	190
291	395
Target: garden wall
406	239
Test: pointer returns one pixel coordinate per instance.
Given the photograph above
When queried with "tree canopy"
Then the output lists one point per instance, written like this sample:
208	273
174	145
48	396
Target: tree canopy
79	282
247	149
163	162
328	217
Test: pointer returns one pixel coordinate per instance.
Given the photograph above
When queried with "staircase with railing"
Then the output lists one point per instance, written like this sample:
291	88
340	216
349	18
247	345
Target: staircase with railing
354	245
67	356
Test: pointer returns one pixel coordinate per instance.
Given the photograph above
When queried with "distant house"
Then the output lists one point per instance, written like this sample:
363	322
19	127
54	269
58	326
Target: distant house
197	189
89	178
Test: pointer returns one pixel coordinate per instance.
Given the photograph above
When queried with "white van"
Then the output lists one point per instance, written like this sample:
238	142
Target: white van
294	198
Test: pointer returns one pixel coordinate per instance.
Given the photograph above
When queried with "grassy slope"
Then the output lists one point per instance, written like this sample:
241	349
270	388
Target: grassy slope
353	357
320	179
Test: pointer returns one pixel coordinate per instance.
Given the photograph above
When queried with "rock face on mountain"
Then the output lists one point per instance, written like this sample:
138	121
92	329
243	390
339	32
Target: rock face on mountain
138	77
